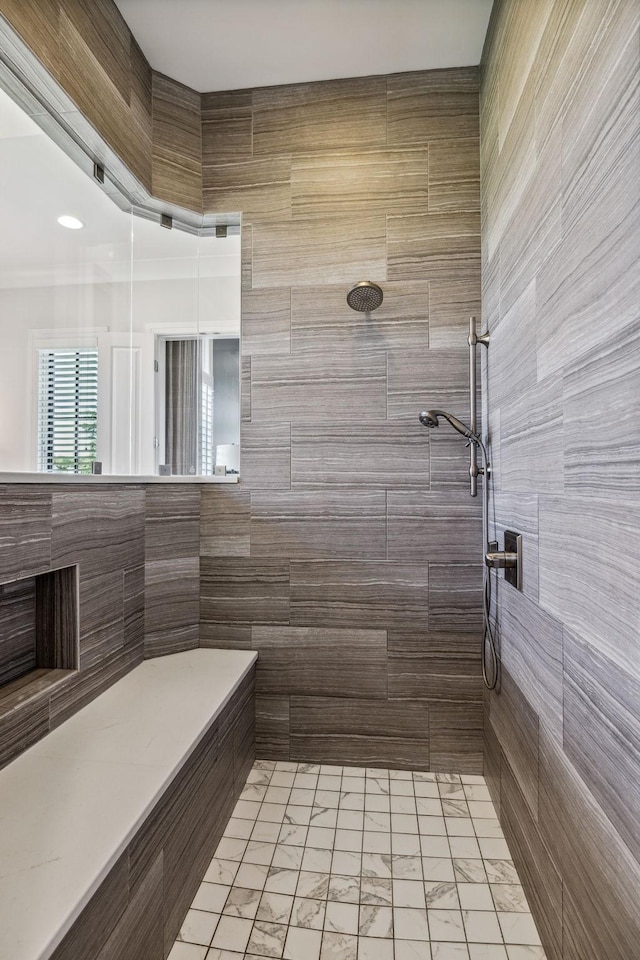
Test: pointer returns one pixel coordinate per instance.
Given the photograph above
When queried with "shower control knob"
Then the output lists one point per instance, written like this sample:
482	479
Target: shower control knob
500	559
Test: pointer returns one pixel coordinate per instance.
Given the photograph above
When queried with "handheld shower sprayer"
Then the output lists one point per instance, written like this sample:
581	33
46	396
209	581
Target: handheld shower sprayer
431	418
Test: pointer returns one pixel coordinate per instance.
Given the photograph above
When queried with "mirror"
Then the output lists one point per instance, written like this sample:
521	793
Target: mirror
120	338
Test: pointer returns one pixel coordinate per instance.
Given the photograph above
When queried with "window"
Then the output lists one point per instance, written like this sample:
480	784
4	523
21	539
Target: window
67	410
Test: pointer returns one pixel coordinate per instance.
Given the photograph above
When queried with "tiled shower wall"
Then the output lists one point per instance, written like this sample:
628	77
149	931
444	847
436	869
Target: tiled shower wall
560	125
348	556
136	548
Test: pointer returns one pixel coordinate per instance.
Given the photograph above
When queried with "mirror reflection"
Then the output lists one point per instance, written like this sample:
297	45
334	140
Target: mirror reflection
120	338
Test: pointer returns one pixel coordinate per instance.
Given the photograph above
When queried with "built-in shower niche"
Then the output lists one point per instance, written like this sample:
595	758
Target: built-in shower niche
38	634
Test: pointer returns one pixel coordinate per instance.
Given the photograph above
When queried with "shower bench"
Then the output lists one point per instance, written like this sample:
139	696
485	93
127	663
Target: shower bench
108	824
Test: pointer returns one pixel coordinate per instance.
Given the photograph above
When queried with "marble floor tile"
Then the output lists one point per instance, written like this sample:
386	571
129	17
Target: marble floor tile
323	862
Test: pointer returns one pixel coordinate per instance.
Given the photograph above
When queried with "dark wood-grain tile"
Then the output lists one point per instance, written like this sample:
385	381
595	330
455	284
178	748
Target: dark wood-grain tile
433	105
317	117
434	666
365	594
420	523
370	732
308	661
379	454
240	590
302	524
225	521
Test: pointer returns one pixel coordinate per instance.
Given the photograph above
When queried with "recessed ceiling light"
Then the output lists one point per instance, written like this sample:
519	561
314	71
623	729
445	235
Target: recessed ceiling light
71	223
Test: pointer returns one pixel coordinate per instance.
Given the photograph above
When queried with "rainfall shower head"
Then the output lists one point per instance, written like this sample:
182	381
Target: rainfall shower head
365	296
431	418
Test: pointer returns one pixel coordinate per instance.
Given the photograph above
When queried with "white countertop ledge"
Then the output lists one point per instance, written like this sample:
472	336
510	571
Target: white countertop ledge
71	803
90	478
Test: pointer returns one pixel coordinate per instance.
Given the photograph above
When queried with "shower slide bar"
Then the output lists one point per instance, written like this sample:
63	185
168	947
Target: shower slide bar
473	341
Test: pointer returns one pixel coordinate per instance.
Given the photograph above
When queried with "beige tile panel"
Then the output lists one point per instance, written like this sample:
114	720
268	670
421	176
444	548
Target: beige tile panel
360	183
433	105
434	246
266	321
316	117
295	389
323	322
319	252
454	175
259	189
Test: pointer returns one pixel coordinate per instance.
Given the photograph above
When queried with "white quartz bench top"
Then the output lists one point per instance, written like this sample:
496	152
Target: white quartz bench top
71	803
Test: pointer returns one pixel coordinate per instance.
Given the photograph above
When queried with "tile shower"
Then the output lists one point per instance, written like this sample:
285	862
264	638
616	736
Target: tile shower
348	556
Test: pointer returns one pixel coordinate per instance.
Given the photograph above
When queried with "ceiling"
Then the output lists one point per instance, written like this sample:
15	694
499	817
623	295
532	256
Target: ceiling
232	44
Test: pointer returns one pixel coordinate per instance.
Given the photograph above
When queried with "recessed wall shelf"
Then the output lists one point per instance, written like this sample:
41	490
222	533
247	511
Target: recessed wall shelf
38	636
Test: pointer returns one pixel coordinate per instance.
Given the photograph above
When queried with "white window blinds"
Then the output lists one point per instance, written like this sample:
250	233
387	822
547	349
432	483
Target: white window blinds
67	410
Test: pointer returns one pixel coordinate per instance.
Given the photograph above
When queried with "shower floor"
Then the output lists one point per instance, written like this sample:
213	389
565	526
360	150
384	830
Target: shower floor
345	863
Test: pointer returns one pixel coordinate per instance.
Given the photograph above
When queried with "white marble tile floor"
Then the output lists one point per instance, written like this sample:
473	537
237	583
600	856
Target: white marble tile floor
343	863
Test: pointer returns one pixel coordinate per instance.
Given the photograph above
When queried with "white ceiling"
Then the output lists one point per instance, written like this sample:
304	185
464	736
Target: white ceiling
231	44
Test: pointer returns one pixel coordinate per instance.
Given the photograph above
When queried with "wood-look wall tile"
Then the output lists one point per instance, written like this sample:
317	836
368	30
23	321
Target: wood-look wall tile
139	932
308	388
434	666
38	26
433	526
322	322
492	760
451	303
319	252
172	521
141	105
100	528
601	423
134	601
272	727
600	904
531	650
382	454
266	321
101	605
246	256
454	175
225	521
17	629
266	456
433	105
240	590
366	594
309	525
365	732
177	143
360	183
106	35
602	733
20	728
316	117
259	189
426	379
456	736
225	636
515	724
434	246
25	531
314	662
57	619
100	102
534	862
245	389
580	546
519	511
570	321
226	127
172	608
100	916
449	457
532	439
84	686
455	601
